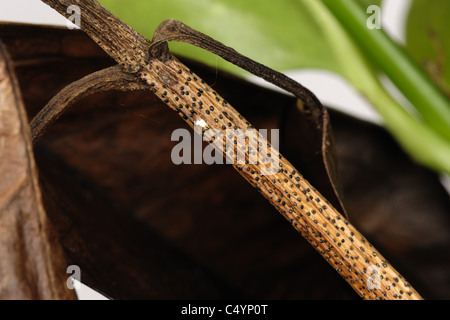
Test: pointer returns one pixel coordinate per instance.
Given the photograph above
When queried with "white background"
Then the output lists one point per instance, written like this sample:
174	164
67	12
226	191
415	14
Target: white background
330	89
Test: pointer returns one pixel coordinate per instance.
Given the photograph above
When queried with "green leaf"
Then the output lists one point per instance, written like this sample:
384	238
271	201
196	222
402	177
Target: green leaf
428	39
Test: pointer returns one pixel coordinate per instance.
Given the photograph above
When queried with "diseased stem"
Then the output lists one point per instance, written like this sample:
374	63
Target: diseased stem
112	78
341	245
300	203
174	30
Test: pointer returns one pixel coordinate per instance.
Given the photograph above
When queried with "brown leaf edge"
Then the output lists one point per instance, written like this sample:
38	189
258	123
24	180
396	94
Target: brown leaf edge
32	265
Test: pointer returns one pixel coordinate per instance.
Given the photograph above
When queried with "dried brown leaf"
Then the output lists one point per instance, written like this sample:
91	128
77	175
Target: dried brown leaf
32	265
112	151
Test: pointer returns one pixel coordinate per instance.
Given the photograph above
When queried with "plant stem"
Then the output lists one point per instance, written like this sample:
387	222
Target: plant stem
425	145
433	106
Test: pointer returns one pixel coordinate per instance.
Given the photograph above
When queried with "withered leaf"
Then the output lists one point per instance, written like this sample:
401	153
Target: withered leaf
32	265
111	106
141	227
